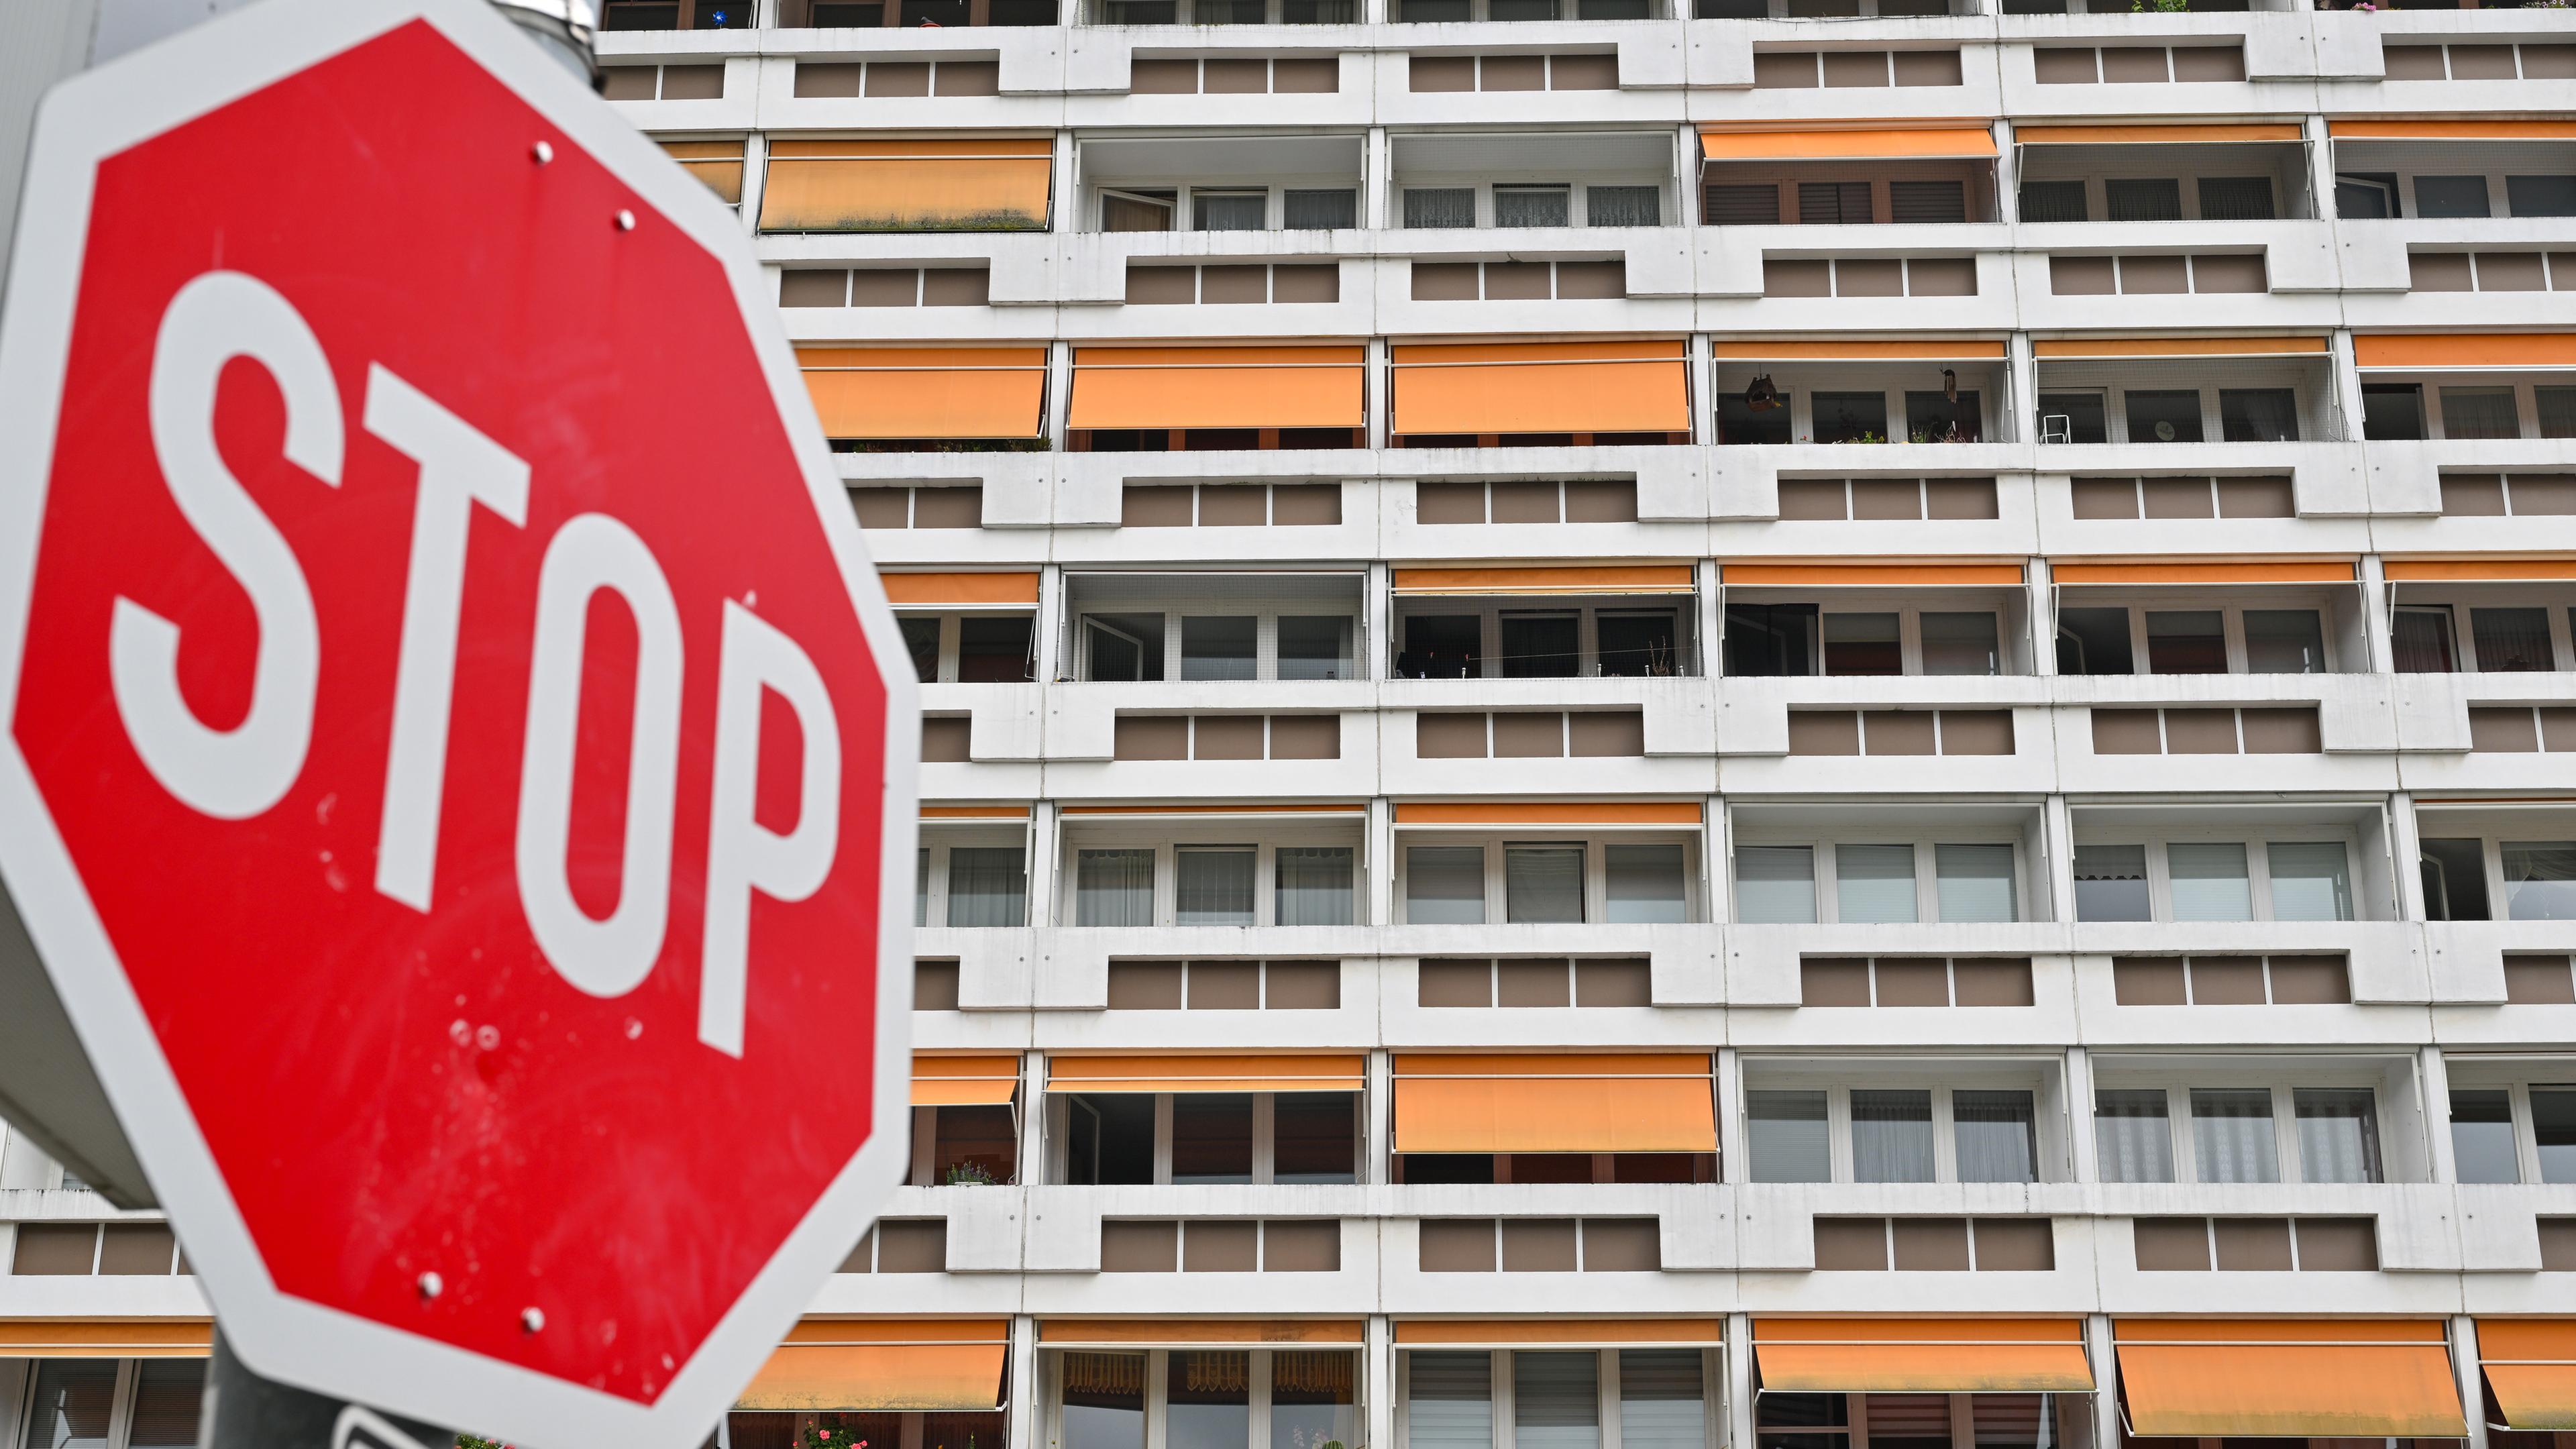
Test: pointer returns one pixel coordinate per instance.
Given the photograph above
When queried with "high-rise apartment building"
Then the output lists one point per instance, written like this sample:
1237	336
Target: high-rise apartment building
1829	724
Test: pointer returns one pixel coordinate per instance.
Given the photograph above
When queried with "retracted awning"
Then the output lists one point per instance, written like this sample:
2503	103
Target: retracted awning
2192	134
1603	579
2452	130
2060	349
2464	351
1219	387
980	1081
931	1365
2145	571
718	164
1153	1332
1922	1355
2530	1365
100	1338
1587	1332
1857	349
1554	1102
1268	1073
896	184
1542	387
927	392
1593	814
1869	576
1955	140
974	590
2267	1378
2478	570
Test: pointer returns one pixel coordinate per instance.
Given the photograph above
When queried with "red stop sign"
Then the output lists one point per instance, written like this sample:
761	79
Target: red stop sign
453	769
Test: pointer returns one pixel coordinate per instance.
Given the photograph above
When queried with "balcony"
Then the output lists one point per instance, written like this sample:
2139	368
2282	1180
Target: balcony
1532	181
1219	183
1851	391
1846	176
2207	173
2156	392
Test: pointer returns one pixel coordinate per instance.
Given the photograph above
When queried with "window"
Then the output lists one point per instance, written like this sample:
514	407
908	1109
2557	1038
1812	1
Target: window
83	1403
1622	881
2450	196
1864	634
1315	647
2214	880
1334	210
1893	1134
1114	888
1441	206
2114	638
2513	1133
1877	884
2238	1134
1148	628
970	878
1142	1138
1623	205
1228	210
1533	206
1663	1397
1225	1398
971	648
1215	883
2480	412
1632	637
2540	880
2133	198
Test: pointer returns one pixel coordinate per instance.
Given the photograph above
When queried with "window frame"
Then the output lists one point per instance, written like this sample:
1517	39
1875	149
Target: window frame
1577	186
20	1426
2457	602
1265	614
1164	838
2518	1079
1060	1107
1909	605
2258	863
1713	1388
1595	842
1158	1385
2289	1167
1588	609
952	628
1927	880
2232	606
931	899
1841	1162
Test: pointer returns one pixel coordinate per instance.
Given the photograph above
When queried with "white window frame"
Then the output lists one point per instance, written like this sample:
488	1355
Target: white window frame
120	1415
2230	604
1713	1388
2525	1076
932	903
1587	609
1265	667
2558	605
952	633
1927	882
2258	862
1596	866
1945	1139
1264	835
1060	1106
2287	1168
1158	1379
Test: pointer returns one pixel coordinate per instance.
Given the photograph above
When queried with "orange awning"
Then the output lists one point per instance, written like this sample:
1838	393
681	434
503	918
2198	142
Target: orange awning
1554	1102
974	812
1150	1332
2530	1365
2168	134
1875	576
981	1081
927	392
2452	130
936	1365
716	163
1598	1332
2478	570
1605	579
97	1338
1957	140
1858	349
1542	387
2061	348
1207	1074
2286	1378
1922	1355
972	184
2464	351
1550	812
989	590
1219	387
2305	571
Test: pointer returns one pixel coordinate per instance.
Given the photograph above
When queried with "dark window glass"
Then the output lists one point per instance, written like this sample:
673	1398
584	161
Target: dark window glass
1765	641
2143	198
2455	880
2440	196
2540	195
2052	200
1862	644
1212	1137
2359	195
1111	1140
2258	414
2392	411
1933	417
994	650
2072	417
921	640
1740	421
2186	641
2512	641
1314	1137
2094	641
1104	1400
1638	644
2422	641
1442	646
2164	417
1542	646
2236	198
1851	417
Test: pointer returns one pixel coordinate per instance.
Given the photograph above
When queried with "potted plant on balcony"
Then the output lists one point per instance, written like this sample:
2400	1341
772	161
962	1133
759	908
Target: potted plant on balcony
970	1174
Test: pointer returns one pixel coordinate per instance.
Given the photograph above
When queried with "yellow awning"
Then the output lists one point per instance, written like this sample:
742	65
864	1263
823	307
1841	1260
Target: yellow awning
2530	1365
2049	349
1599	579
2276	1378
1874	576
1883	143
1148	1332
1597	1332
2305	571
2465	351
1267	1073
1554	1102
980	1081
1219	387
1922	1355
718	164
2194	134
106	1338
970	184
986	589
944	1365
927	392
1542	387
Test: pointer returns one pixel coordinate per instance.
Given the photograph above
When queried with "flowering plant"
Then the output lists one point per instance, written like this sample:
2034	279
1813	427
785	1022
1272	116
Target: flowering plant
832	1435
469	1441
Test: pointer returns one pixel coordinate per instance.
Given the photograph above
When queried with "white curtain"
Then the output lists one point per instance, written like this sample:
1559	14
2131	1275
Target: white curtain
987	886
1543	883
1114	888
1314	885
1891	1135
2338	1134
1623	205
1440	206
2540	880
1996	1136
2132	1135
1213	885
2231	1134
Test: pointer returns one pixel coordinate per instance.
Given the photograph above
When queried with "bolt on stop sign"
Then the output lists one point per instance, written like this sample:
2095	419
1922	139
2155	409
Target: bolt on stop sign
458	759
